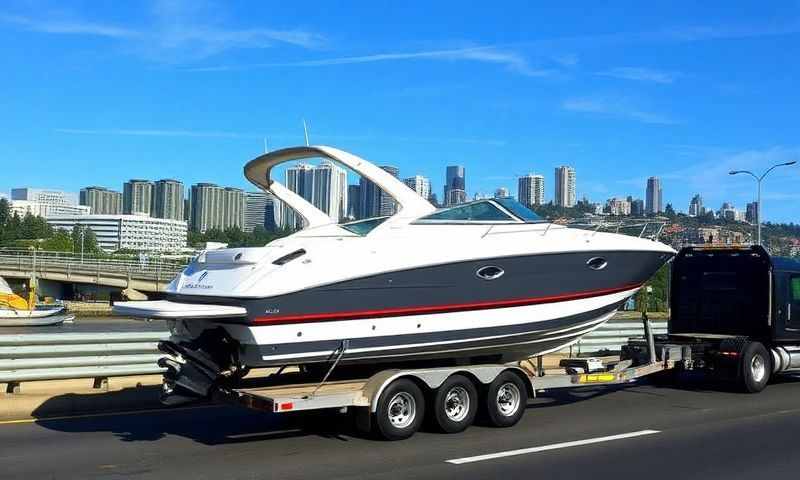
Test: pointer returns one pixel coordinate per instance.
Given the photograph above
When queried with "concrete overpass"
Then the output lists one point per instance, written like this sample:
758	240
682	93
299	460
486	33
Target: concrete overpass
148	275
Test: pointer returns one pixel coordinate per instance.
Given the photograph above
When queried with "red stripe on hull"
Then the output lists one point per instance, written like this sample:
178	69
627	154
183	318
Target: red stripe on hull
420	310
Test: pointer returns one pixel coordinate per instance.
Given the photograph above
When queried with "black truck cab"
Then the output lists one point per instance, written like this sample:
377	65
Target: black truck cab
738	291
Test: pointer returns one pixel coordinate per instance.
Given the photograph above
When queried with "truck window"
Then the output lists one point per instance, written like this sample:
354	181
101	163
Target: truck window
793	310
795	287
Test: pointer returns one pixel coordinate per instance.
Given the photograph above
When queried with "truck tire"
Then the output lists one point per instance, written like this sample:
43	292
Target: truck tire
505	400
400	411
755	367
454	404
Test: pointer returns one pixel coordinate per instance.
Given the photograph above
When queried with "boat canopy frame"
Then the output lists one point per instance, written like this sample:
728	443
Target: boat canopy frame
258	171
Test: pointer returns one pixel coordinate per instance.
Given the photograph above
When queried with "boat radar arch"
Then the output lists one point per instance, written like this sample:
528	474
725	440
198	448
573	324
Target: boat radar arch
257	171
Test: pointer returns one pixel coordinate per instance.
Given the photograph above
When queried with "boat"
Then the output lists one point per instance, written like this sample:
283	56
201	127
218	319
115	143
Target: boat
484	281
15	311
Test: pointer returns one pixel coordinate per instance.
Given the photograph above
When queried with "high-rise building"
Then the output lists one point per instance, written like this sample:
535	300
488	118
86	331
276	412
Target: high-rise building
501	192
420	184
530	190
455	179
300	180
44	197
206	201
654	198
233	208
354	202
369	198
137	197
259	211
637	207
329	192
751	215
565	195
696	206
168	199
101	201
388	205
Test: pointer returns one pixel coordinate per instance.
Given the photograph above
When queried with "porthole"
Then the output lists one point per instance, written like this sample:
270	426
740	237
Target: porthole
597	263
490	272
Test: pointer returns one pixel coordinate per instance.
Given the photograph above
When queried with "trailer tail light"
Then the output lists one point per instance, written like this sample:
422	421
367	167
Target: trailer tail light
729	354
285	406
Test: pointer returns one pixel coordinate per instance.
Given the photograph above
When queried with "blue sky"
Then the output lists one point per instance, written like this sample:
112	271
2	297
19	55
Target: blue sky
98	92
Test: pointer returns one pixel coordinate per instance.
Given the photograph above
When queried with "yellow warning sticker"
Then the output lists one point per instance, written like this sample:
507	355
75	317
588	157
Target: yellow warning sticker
597	378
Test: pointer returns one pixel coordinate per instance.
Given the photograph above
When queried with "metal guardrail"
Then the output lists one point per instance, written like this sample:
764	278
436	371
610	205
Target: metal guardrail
154	269
28	357
612	335
57	356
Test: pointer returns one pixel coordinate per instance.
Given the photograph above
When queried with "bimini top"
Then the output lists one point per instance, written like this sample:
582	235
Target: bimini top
410	204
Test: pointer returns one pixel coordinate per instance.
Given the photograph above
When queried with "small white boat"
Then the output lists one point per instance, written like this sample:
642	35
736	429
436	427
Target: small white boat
15	311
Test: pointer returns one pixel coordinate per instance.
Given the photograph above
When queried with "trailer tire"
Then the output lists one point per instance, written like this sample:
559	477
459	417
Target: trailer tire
755	367
454	404
505	400
400	410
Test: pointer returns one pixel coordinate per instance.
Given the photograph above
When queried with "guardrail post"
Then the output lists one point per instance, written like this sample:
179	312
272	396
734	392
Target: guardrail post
101	383
13	387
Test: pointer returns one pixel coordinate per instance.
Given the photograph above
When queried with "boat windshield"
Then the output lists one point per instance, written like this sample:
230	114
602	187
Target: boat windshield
518	209
478	211
363	227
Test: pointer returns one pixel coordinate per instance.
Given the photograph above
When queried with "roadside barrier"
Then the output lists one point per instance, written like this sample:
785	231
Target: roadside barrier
58	356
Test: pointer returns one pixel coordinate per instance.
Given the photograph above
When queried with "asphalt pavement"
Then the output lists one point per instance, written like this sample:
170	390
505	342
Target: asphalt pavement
640	431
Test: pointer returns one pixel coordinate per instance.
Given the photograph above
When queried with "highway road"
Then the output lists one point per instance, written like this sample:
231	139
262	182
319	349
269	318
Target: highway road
641	431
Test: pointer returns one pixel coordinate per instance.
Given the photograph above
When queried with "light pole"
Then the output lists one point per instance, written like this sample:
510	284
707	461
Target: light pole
82	233
758	181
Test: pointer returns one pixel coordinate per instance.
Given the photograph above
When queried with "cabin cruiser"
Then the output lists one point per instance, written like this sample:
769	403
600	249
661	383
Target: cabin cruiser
485	281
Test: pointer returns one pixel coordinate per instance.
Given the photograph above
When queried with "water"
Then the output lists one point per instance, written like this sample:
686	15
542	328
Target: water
93	324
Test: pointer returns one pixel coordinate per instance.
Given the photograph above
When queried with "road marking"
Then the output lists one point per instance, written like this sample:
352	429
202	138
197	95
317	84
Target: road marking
107	414
554	446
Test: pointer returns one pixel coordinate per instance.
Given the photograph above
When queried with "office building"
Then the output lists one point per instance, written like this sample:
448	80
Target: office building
259	211
565	195
300	180
455	187
137	197
654	198
388	205
354	202
101	201
637	207
44	196
530	190
135	232
501	192
751	215
233	208
217	207
420	184
329	191
39	209
618	206
168	199
696	206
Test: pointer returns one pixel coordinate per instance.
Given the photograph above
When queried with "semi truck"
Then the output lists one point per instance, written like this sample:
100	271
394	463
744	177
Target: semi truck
735	314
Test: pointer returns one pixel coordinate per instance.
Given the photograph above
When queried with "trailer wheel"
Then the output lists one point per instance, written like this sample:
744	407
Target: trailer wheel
755	367
401	409
506	399
454	404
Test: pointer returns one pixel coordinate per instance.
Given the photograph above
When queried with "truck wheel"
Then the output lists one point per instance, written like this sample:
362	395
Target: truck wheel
455	404
401	409
506	399
755	367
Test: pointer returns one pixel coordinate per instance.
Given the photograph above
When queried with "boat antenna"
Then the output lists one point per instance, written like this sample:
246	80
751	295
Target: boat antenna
305	129
266	150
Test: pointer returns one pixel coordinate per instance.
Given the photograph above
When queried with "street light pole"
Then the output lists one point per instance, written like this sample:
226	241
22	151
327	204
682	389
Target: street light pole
758	182
82	233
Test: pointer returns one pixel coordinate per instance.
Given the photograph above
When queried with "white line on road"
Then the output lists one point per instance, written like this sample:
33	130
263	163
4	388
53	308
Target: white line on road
554	446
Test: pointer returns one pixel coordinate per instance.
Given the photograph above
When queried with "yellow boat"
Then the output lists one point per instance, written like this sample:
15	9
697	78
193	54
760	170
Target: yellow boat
15	311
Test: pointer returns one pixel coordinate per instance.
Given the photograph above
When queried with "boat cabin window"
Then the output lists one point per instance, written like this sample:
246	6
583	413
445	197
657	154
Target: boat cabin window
363	227
479	211
518	209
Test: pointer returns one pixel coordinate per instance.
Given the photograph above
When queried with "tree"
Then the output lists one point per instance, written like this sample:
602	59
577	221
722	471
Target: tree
89	242
61	241
5	212
669	211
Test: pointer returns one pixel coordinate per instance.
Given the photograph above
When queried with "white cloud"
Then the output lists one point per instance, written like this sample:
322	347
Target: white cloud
485	54
615	108
68	26
641	74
